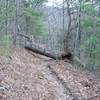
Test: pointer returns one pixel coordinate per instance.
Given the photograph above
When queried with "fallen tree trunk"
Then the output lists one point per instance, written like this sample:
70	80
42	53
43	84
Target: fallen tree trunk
42	52
48	54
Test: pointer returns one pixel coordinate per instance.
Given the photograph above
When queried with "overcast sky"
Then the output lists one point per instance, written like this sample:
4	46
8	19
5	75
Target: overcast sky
54	2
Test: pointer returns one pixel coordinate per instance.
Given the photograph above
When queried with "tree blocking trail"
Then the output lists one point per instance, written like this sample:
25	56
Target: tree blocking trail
48	54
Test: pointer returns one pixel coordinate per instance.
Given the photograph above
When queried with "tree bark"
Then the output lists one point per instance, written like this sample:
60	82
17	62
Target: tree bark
17	2
68	28
6	16
48	54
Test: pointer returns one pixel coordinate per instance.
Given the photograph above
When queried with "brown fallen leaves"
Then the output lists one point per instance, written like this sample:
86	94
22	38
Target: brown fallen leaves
25	76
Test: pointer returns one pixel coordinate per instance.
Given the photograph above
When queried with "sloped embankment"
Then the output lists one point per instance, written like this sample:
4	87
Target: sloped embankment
28	76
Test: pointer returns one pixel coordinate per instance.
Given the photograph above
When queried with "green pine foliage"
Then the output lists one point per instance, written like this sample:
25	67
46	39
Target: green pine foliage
91	27
35	16
36	21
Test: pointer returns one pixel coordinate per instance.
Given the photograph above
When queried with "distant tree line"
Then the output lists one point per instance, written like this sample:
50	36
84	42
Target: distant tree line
84	38
76	28
21	17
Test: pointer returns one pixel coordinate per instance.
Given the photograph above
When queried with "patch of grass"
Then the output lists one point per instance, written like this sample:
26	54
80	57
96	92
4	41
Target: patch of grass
5	42
4	51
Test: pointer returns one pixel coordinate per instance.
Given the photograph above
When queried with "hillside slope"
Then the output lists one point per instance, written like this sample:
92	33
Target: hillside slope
28	76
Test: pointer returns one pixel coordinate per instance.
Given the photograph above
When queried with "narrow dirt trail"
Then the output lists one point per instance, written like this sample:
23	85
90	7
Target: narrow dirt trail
28	76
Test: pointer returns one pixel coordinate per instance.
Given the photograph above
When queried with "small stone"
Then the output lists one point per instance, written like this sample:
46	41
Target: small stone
2	89
1	78
26	88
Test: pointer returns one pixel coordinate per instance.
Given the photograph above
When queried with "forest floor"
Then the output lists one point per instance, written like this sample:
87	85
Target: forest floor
28	76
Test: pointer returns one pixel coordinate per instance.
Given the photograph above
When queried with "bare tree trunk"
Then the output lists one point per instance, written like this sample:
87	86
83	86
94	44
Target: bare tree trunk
99	8
66	41
27	21
78	28
17	2
7	16
63	16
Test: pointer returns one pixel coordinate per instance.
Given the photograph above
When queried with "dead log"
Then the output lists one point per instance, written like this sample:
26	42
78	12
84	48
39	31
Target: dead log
42	52
48	54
